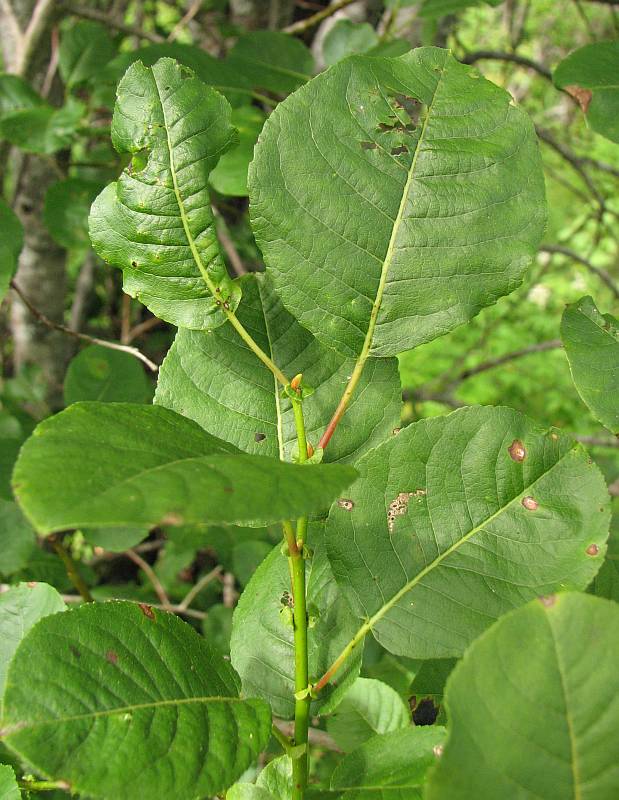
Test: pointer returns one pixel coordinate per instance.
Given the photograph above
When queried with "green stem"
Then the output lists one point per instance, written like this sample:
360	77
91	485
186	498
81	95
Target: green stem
281	738
74	576
42	786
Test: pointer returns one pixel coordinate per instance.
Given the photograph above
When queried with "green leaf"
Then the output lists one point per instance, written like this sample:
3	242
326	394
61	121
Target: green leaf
591	342
84	49
390	766
248	791
20	608
152	710
462	518
433	9
368	707
272	60
534	707
115	539
9	790
67	204
276	778
215	379
425	204
112	464
589	74
98	373
17	94
262	645
230	176
11	242
16	538
43	129
606	582
347	38
217	627
156	222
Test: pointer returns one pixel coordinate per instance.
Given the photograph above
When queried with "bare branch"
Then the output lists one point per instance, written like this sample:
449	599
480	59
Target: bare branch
227	243
601	273
186	19
32	36
309	22
514	58
143	327
152	577
101	16
598	441
197	588
56	326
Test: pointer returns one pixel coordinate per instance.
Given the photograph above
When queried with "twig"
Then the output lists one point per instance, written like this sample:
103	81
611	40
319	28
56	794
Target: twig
188	16
143	327
197	588
56	326
31	38
53	63
229	592
125	319
601	273
514	58
309	22
227	243
152	577
598	441
601	165
101	16
74	576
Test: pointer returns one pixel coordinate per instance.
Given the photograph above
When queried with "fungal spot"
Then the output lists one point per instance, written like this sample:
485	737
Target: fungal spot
286	600
134	264
554	436
399	506
395	431
228	489
172	519
368	145
227	305
259	437
398	151
438	750
582	96
592	550
146	610
548	600
346	504
112	657
530	503
517	451
31	584
75	651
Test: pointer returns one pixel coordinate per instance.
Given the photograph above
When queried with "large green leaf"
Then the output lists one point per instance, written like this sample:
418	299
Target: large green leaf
591	342
395	198
392	766
459	519
85	48
20	608
9	790
112	464
16	538
152	709
591	75
534	707
272	60
215	379
98	373
262	645
11	242
156	222
368	707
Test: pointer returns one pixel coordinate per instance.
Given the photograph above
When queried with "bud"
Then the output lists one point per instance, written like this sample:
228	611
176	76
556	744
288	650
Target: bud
295	383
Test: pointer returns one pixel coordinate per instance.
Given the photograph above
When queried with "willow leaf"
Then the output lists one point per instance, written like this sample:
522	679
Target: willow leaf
462	518
395	198
156	222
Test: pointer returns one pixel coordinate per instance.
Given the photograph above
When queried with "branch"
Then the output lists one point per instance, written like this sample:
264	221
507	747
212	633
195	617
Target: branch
197	588
493	55
152	577
56	326
601	273
227	243
309	22
32	36
186	19
143	327
101	16
598	441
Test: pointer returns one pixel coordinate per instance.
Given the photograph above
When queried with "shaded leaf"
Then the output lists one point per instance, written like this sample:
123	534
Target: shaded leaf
113	464
67	205
43	129
230	175
9	790
16	538
534	707
216	380
453	527
347	38
591	342
272	60
17	94
589	74
11	242
425	204
85	48
115	539
156	222
98	373
262	644
368	707
153	709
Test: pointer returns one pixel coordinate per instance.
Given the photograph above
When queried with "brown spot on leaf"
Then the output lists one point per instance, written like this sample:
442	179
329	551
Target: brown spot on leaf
147	610
592	550
582	96
398	151
111	656
548	600
75	651
530	503
399	506
172	519
228	489
259	437
31	584
134	263
554	436
346	504
517	451
368	145
395	431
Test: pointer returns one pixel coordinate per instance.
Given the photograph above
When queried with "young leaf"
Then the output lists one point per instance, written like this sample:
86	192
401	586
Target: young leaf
368	707
395	198
11	242
392	765
84	50
20	608
534	707
16	536
112	464
589	74
459	519
67	204
262	645
230	175
591	342
272	60
98	373
152	710
215	379
9	790
156	222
